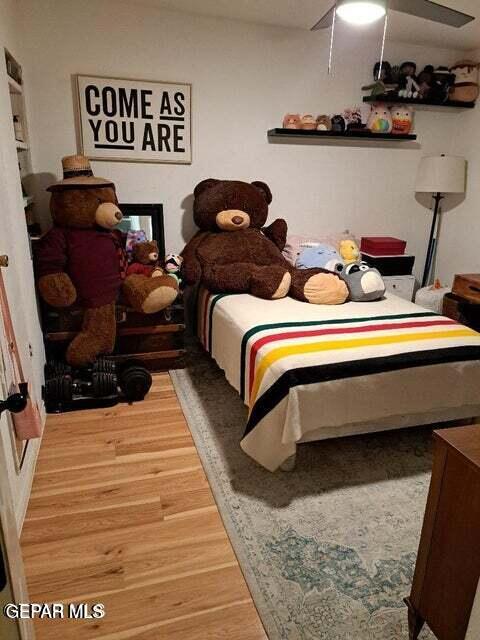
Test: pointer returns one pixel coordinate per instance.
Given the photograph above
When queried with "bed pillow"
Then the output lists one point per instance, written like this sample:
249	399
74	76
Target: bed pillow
322	255
295	244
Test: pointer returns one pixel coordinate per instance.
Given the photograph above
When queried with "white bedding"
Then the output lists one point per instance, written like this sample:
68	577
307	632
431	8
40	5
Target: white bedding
343	369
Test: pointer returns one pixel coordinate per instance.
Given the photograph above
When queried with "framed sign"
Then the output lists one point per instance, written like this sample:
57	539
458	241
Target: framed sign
134	120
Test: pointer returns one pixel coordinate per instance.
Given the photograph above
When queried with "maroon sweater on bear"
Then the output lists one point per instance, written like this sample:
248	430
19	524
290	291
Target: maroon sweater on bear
89	256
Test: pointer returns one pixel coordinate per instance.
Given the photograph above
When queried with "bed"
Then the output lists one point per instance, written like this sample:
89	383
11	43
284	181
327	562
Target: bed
310	372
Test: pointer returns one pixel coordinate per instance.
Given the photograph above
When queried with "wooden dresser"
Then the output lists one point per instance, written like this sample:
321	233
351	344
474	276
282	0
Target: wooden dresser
448	563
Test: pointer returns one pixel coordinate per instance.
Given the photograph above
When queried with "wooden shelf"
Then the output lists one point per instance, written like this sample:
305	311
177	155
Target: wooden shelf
321	136
21	146
450	104
13	86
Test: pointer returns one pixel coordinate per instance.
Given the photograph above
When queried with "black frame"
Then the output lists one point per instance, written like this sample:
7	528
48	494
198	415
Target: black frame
155	212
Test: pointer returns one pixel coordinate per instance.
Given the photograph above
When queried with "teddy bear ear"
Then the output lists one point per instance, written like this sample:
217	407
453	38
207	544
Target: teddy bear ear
265	189
204	185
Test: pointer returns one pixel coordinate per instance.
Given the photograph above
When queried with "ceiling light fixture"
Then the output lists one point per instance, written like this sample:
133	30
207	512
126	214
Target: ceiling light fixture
361	12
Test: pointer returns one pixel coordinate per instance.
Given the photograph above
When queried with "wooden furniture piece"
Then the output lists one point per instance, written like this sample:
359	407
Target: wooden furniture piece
156	339
467	286
462	310
448	563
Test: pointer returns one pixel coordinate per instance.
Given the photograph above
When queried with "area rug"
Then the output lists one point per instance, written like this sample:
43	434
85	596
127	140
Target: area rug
328	550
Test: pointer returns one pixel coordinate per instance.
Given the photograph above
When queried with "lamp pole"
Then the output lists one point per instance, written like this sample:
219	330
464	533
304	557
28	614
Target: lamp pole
431	242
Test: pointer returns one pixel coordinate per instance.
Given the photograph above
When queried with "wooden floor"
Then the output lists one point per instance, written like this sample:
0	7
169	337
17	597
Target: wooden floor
121	513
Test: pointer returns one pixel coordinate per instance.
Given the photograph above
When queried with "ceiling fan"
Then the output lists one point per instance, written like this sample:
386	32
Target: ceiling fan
365	11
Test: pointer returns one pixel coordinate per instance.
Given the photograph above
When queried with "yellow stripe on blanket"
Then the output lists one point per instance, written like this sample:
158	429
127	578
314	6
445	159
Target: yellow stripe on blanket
311	347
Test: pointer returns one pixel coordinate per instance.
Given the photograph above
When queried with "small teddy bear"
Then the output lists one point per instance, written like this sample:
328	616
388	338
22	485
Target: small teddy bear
324	123
145	260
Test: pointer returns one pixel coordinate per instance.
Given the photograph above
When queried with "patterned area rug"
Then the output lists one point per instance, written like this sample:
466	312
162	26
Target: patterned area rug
328	550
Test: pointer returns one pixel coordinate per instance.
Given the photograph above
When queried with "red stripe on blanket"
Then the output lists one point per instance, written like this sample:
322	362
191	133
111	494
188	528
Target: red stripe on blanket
258	344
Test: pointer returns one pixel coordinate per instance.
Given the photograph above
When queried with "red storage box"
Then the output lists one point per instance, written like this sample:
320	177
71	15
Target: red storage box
383	246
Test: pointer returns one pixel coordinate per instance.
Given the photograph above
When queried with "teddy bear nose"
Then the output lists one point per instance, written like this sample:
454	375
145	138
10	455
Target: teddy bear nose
237	220
118	215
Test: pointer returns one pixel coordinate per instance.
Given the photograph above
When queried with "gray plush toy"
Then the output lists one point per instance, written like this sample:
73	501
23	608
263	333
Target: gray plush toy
364	283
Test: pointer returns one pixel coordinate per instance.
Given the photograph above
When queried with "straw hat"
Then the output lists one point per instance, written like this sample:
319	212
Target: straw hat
77	173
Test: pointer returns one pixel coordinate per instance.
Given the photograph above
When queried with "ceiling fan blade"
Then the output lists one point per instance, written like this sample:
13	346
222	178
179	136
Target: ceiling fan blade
431	11
326	21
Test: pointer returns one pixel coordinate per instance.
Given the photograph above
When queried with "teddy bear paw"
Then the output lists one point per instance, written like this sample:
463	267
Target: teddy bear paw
162	296
325	288
283	287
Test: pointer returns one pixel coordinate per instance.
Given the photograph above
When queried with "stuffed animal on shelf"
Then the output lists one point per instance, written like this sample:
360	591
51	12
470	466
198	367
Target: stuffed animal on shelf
82	259
321	255
309	122
233	252
408	86
145	260
425	82
292	121
324	123
173	266
353	119
402	119
465	87
338	124
380	119
443	80
382	80
349	251
365	284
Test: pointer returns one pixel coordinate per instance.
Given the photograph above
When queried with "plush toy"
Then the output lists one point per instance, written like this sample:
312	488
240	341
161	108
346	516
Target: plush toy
380	119
321	255
309	122
402	119
364	283
338	124
324	123
349	251
234	252
465	87
173	266
382	80
82	258
145	260
292	121
408	86
353	119
443	80
425	82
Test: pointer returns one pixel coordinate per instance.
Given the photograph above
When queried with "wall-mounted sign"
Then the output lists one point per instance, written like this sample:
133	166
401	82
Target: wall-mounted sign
134	120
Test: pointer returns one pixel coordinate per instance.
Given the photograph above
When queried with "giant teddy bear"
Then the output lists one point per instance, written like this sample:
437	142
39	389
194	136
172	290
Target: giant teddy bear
82	258
233	252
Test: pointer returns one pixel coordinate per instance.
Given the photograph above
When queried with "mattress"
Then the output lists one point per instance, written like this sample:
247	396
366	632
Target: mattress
312	371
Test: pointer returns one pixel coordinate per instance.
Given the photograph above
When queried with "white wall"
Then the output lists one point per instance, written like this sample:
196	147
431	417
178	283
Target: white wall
245	77
460	232
19	275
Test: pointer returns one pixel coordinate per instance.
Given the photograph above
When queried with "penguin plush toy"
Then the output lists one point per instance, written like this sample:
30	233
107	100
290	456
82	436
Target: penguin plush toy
364	283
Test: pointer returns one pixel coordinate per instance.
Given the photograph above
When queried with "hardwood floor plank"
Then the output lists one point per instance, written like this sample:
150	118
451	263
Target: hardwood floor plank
121	513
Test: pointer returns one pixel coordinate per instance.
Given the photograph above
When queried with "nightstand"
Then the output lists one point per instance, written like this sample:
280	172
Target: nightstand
402	286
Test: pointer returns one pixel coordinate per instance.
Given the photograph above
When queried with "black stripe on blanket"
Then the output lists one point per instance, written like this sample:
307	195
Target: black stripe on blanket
352	369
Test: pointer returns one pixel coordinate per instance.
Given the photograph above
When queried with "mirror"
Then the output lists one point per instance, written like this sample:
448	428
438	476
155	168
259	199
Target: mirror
144	217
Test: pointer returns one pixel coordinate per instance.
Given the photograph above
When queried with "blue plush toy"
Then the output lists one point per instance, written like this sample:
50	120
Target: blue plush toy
321	255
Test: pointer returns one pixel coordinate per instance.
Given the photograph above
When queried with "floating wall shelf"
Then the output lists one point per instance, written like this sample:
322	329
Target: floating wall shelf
324	136
13	86
419	104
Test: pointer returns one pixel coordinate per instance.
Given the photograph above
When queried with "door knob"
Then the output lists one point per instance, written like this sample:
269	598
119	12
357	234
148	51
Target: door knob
3	261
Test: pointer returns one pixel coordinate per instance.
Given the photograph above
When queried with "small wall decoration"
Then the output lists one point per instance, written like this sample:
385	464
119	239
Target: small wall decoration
134	120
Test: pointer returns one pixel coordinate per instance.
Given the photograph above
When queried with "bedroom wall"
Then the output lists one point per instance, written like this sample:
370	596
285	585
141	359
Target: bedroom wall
245	77
460	232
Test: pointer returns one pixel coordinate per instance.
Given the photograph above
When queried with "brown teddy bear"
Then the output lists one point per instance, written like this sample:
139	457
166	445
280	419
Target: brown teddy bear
232	252
145	260
82	259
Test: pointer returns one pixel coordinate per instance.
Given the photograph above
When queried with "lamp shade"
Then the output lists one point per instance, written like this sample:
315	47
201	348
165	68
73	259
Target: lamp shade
441	174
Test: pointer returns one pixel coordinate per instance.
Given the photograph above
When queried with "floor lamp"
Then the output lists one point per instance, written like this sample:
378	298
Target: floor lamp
439	175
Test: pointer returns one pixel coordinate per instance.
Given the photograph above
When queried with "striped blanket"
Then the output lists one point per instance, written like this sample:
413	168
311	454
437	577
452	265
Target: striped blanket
304	366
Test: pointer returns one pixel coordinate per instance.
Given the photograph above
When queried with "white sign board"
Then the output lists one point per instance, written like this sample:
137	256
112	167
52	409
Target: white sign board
134	120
